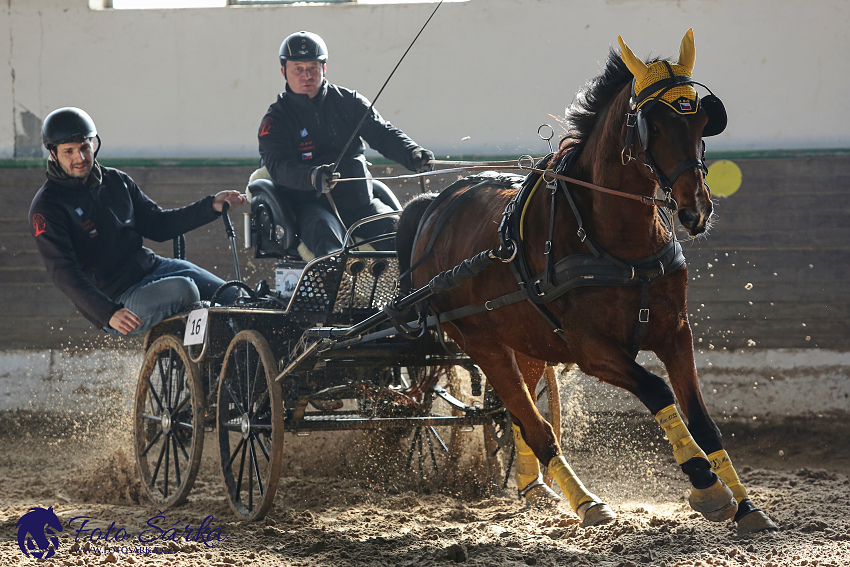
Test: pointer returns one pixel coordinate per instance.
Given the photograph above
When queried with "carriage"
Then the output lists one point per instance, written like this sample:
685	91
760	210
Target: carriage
585	268
314	351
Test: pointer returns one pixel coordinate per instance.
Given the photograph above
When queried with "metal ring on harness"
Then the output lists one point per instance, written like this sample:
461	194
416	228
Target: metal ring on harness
513	248
549	137
522	159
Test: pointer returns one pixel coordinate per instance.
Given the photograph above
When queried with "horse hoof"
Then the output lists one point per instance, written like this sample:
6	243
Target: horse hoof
754	522
541	496
595	514
716	502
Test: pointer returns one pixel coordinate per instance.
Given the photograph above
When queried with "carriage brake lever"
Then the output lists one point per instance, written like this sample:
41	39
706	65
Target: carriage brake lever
231	236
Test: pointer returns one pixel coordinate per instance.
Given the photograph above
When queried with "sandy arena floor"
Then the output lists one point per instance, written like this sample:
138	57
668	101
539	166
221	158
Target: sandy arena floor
336	506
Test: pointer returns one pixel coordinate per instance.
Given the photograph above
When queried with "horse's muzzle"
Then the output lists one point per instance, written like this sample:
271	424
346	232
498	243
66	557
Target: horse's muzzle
694	221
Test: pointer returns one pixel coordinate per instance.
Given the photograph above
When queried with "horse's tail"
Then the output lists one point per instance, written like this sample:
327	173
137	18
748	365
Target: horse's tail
405	236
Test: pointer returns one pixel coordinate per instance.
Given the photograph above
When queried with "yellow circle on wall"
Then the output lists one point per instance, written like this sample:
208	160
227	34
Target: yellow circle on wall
724	177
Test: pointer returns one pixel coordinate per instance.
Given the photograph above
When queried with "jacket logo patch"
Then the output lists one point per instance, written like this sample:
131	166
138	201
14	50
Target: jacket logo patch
79	211
304	132
307	155
39	225
266	126
91	228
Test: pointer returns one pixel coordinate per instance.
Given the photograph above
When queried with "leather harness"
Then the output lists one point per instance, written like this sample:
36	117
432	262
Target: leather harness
597	268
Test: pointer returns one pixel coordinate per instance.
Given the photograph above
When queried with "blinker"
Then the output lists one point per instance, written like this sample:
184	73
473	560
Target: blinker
716	115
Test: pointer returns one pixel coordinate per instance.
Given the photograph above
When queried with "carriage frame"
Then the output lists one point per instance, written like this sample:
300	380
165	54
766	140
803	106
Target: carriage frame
330	357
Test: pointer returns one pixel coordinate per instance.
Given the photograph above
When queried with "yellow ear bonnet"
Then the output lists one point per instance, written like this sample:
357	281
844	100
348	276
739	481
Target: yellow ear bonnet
682	98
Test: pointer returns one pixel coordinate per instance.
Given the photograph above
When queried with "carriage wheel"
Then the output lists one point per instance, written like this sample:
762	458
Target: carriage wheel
498	434
250	425
427	451
169	422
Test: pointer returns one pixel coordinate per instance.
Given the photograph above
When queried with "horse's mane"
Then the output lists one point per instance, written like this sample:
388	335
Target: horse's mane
592	99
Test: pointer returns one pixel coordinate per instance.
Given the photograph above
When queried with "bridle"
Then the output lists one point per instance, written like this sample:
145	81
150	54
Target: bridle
637	128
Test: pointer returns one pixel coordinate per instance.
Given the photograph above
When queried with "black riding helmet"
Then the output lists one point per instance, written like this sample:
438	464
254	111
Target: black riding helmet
65	125
303	46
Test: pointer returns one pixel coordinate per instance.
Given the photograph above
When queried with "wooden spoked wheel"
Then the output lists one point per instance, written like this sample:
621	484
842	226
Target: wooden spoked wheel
169	422
250	425
428	450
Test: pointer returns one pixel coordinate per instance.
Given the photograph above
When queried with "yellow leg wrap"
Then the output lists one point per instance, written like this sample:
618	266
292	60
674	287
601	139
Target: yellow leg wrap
527	465
721	464
684	446
569	483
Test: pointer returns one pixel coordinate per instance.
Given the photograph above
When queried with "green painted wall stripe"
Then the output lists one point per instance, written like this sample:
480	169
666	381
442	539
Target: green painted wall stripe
33	163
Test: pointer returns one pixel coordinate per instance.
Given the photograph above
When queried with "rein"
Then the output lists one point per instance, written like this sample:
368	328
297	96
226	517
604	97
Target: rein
549	175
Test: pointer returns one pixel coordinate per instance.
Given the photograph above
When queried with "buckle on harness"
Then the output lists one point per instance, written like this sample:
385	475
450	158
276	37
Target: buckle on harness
643	316
581	233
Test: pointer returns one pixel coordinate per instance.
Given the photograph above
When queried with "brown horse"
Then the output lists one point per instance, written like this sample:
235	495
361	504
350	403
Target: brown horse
620	284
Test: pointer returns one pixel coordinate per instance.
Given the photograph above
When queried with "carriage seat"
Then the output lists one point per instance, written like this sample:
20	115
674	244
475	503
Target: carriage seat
273	225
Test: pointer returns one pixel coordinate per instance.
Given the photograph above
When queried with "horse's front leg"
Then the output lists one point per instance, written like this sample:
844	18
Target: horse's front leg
612	364
532	431
679	362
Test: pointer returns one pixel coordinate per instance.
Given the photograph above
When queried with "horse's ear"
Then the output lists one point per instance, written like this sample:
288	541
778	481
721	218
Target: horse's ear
635	65
687	52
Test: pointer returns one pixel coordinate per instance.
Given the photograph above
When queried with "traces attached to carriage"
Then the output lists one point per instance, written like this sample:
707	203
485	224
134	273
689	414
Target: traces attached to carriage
456	351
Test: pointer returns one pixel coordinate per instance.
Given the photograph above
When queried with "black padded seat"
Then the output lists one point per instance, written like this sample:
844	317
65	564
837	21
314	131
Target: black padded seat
274	229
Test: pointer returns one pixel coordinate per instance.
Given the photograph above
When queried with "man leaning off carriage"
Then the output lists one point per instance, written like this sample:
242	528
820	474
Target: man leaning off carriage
89	223
307	128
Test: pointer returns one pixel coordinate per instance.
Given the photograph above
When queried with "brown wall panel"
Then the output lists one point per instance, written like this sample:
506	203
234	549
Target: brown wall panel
786	232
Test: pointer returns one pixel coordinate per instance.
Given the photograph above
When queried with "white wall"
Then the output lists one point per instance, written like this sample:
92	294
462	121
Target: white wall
187	83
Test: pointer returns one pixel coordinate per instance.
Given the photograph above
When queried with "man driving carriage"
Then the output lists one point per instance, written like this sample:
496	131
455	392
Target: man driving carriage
89	223
303	133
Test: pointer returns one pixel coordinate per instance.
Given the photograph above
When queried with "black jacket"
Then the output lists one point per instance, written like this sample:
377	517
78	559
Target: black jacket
90	238
299	133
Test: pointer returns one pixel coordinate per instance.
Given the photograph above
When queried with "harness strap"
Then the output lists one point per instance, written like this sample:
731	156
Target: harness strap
643	317
547	250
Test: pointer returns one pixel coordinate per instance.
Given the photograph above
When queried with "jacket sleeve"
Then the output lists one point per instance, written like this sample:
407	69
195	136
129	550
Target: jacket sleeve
279	155
54	245
160	224
382	136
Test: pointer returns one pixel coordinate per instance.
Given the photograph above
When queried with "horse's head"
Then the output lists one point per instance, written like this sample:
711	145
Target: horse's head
666	122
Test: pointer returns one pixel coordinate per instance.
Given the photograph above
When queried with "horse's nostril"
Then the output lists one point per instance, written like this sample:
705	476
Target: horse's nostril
688	217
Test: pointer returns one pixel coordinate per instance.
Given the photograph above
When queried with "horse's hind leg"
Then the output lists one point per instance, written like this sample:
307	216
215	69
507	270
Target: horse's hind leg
500	366
529	479
683	377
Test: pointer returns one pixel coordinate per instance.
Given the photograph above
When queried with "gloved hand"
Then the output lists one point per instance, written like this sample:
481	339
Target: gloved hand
421	159
322	179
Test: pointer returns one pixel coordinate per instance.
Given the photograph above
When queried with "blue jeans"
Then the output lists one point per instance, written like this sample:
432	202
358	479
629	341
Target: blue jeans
171	288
